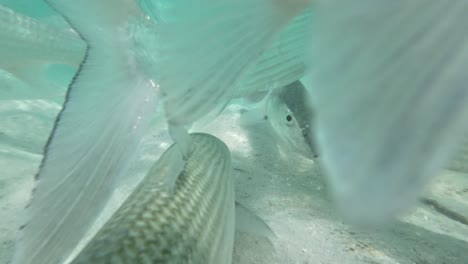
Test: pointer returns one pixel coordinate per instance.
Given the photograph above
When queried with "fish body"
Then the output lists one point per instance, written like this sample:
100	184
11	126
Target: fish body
189	222
283	61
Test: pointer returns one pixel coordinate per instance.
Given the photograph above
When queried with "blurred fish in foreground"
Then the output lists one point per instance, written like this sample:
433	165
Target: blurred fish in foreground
96	133
389	84
387	81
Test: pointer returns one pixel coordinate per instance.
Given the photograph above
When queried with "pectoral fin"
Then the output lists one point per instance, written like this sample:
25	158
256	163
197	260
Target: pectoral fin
249	222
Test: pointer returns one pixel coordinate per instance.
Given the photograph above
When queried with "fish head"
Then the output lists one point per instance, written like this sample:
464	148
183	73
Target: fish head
290	114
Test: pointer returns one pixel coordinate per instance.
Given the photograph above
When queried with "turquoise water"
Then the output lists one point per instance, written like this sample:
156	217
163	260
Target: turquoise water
288	191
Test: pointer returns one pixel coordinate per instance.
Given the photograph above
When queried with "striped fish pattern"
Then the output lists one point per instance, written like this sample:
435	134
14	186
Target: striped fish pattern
189	222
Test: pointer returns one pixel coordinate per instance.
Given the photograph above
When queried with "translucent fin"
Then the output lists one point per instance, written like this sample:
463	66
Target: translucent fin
24	40
206	46
284	60
107	107
389	83
249	222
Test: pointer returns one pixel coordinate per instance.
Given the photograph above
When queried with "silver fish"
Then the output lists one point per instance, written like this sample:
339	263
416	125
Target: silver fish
174	216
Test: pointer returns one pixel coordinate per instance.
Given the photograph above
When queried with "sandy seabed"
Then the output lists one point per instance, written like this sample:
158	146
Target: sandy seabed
288	191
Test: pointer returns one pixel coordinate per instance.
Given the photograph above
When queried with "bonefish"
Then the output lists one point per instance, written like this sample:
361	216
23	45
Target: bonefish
174	216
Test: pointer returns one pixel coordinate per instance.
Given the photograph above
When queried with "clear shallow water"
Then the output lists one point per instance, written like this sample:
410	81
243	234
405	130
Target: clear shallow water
288	191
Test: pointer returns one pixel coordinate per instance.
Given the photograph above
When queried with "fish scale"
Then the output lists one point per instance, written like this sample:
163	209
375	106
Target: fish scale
186	224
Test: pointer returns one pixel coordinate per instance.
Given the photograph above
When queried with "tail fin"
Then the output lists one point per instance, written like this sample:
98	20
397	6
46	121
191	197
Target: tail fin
107	106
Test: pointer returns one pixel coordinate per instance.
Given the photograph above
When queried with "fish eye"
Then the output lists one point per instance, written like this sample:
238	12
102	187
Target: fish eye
289	118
